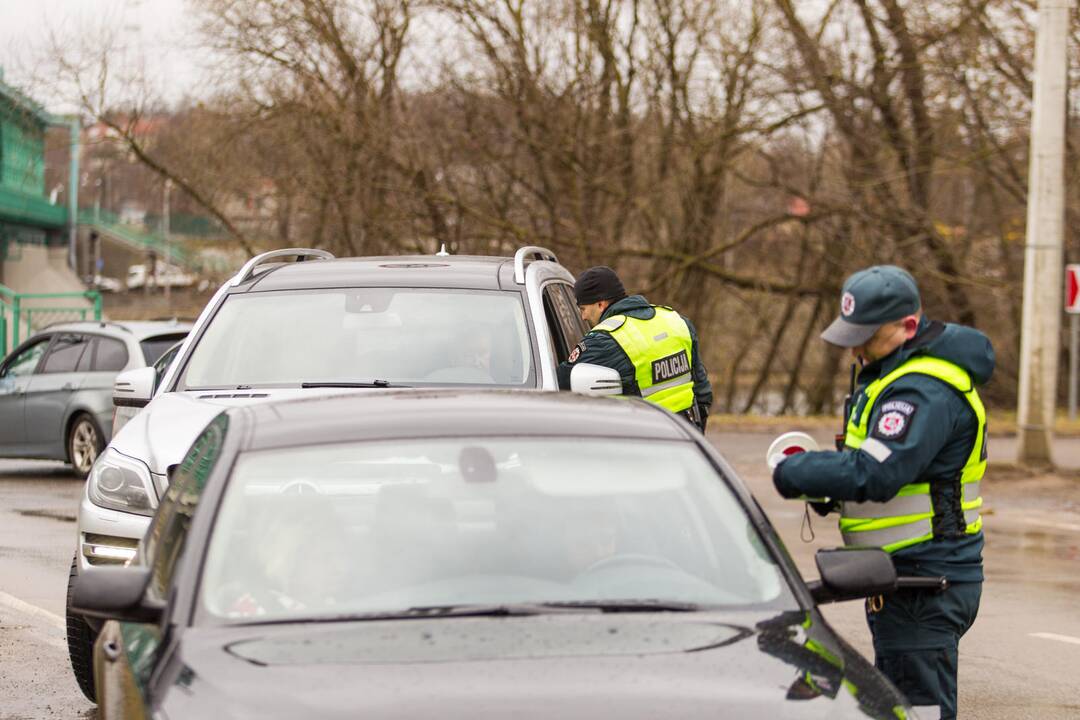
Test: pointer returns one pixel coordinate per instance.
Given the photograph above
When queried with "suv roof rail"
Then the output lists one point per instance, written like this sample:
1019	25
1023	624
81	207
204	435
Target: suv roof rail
533	251
248	271
100	323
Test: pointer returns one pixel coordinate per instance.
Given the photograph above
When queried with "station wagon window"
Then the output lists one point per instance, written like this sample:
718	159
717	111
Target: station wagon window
26	361
86	362
111	355
65	353
154	347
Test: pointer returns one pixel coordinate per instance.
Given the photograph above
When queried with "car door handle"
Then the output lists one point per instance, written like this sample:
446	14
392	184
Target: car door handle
68	386
111	650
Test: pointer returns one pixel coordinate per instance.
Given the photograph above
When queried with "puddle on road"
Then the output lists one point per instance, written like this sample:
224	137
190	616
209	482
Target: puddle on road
49	514
1033	555
1060	545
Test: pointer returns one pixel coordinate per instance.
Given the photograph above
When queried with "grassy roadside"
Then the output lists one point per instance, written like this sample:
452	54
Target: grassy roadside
999	422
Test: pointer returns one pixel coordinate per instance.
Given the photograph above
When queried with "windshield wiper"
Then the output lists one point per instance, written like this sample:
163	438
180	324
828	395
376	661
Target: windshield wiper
441	611
627	606
350	384
428	612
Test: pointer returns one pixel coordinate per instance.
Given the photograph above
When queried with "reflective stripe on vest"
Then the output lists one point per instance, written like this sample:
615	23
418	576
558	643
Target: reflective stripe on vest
907	519
661	351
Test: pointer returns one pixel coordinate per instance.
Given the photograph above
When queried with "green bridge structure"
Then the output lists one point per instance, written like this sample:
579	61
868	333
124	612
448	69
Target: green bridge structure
39	238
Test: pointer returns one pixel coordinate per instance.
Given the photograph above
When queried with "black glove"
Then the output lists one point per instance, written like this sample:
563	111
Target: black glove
703	411
824	508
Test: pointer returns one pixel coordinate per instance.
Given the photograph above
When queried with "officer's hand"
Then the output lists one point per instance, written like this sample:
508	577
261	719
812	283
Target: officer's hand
703	411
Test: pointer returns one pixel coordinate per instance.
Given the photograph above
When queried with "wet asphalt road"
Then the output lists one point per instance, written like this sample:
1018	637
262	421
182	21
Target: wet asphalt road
1020	660
38	501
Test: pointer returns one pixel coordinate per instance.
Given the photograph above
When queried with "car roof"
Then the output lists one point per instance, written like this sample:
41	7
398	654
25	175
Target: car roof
449	271
406	414
140	329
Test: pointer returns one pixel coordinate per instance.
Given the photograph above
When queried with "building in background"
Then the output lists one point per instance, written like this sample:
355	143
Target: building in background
28	217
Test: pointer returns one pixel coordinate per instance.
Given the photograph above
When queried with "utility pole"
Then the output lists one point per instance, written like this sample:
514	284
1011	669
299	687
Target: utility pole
73	189
1043	255
168	247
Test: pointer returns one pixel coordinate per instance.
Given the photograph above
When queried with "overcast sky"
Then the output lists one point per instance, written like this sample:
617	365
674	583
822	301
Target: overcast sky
161	30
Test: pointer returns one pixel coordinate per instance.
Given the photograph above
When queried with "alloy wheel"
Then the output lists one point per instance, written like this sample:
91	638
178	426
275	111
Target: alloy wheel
84	445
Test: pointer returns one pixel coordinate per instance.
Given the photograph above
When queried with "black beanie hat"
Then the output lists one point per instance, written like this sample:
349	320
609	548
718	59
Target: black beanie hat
598	283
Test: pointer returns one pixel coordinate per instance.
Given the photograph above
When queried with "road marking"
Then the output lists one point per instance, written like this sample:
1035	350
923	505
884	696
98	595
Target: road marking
26	608
1055	636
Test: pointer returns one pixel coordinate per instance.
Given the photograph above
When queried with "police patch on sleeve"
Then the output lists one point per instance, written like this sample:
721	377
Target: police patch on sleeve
576	352
895	420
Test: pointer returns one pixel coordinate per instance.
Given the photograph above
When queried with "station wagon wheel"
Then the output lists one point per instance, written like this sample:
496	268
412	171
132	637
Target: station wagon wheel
84	444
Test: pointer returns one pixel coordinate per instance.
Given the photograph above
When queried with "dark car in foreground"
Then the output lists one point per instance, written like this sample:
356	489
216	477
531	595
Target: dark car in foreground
471	555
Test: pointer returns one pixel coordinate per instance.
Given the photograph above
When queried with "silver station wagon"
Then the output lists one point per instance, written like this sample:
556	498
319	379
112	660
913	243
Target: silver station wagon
56	388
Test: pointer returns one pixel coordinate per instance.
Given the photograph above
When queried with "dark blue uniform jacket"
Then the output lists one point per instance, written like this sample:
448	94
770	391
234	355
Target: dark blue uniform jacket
930	433
599	348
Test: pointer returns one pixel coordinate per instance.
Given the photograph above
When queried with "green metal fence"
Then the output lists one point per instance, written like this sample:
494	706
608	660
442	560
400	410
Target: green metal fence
23	313
109	222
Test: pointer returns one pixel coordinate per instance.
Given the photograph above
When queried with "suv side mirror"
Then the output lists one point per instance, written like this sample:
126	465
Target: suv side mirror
589	379
134	388
850	574
116	593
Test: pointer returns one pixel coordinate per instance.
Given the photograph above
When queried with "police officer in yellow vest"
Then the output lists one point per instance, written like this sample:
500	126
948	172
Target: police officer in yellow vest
654	348
907	479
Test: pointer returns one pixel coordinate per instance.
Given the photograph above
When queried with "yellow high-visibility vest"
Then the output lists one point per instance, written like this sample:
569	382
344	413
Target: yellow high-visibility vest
907	519
661	350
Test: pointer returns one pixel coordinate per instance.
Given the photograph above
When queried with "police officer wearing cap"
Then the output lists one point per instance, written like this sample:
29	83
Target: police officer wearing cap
654	349
907	479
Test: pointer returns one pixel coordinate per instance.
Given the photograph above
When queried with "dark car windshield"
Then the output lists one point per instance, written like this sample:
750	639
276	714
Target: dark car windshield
154	347
384	527
398	336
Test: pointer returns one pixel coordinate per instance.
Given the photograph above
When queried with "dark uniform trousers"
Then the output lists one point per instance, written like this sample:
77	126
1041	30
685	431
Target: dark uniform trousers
916	638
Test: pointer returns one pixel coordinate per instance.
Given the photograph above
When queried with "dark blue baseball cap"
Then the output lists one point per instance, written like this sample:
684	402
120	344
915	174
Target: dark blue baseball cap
871	298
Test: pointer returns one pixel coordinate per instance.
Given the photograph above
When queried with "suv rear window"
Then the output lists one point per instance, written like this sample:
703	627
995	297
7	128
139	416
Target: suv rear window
154	347
405	336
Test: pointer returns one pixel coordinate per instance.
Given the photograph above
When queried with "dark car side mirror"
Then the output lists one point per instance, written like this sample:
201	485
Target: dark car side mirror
852	573
116	593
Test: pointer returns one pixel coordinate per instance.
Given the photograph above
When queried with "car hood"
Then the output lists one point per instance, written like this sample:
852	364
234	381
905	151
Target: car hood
162	432
564	665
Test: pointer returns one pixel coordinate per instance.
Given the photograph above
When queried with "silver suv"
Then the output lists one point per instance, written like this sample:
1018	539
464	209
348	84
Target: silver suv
285	329
56	388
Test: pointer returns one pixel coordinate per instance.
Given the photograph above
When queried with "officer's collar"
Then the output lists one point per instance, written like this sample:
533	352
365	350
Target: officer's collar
621	305
928	331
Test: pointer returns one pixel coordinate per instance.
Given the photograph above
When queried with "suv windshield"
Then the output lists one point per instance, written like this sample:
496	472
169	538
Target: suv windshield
400	336
388	527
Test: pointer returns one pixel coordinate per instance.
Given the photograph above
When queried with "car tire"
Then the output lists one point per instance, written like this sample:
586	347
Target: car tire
80	641
84	444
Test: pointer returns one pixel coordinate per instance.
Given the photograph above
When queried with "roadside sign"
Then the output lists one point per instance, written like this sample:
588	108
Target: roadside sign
1072	289
1072	307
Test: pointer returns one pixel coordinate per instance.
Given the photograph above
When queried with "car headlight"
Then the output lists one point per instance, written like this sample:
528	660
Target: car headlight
121	483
